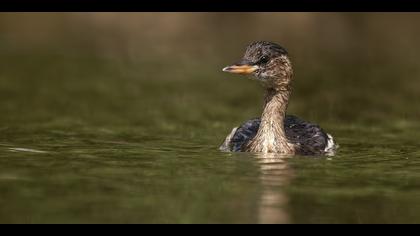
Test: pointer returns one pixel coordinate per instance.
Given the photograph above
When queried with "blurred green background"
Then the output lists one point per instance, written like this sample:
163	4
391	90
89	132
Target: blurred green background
117	117
349	67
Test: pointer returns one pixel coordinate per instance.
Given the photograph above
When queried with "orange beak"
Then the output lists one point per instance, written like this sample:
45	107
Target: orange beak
240	69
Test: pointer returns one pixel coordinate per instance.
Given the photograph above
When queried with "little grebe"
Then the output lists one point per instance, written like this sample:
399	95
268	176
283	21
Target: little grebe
274	132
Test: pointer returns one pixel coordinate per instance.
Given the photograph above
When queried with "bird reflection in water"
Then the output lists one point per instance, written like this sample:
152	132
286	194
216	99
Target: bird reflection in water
276	174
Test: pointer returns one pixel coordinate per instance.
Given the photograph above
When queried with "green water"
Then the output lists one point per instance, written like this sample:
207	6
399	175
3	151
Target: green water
99	146
113	139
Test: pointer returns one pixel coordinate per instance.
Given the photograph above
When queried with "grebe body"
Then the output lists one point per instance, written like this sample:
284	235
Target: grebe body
274	131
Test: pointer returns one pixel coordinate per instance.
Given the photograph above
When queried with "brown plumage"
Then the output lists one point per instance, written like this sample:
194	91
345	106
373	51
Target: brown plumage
275	132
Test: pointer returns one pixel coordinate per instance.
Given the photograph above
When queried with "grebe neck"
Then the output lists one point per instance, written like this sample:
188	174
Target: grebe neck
271	136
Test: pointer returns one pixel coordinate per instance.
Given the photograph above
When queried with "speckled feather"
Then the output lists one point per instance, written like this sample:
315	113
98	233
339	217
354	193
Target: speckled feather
274	131
309	138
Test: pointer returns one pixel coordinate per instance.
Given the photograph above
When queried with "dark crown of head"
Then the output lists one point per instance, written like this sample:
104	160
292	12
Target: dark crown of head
267	46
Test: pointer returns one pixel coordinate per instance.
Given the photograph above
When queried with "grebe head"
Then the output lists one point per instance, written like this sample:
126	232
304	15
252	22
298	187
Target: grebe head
267	62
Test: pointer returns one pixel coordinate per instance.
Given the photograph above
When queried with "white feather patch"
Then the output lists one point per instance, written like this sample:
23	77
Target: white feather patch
225	146
331	147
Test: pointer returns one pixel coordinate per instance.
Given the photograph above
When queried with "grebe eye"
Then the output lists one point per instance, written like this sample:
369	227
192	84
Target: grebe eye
264	59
